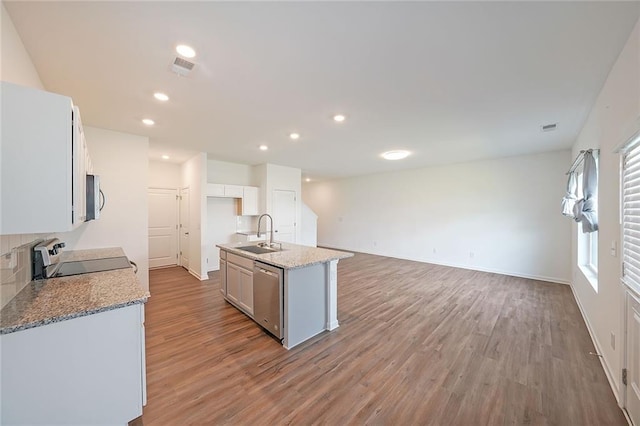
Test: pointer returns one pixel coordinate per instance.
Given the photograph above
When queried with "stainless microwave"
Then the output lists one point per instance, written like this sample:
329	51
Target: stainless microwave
95	197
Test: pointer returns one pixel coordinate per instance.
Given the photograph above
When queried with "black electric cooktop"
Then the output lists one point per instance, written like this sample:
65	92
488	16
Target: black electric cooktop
88	266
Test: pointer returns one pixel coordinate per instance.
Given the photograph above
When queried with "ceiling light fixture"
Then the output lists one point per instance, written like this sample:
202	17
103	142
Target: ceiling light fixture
186	51
294	136
148	121
263	147
395	155
339	118
165	157
308	180
161	96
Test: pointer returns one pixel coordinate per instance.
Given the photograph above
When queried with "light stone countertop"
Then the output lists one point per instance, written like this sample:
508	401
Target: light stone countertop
292	256
57	299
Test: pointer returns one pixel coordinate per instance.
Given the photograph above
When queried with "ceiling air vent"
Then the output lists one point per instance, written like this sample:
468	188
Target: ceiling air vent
182	66
549	127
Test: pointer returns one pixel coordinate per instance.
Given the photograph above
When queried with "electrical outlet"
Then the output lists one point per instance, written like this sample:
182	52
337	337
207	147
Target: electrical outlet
375	243
613	340
434	251
614	248
471	254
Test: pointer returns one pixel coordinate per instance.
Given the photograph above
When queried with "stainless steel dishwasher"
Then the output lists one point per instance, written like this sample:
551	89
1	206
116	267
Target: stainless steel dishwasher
267	297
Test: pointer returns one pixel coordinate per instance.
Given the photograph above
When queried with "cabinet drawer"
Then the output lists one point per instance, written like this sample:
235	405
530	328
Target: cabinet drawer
215	190
240	261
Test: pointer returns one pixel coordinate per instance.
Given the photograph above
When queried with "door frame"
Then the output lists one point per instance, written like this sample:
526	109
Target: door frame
180	246
177	207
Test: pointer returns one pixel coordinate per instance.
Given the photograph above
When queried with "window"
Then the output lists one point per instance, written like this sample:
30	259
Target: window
587	245
631	213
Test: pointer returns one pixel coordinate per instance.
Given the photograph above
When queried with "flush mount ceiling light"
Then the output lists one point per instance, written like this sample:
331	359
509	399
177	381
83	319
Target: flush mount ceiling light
161	96
165	157
148	121
294	136
395	155
186	51
339	118
263	147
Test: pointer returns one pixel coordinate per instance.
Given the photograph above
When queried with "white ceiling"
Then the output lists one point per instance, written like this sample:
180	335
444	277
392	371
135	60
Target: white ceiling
450	82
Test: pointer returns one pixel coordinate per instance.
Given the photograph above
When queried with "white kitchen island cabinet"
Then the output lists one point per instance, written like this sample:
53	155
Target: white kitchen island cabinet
309	287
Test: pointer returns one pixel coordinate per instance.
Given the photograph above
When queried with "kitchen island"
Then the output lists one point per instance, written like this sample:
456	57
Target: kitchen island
309	286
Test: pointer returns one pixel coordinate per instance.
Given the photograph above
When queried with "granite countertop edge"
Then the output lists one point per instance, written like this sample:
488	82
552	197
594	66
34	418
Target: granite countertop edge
330	255
52	320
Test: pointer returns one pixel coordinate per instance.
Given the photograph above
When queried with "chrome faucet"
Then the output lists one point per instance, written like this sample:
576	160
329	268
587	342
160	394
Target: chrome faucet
259	221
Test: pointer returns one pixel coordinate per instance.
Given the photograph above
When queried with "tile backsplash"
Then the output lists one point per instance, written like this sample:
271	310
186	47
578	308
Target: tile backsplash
15	264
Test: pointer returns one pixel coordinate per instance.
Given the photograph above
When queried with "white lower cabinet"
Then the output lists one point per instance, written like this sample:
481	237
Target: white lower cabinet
86	370
239	281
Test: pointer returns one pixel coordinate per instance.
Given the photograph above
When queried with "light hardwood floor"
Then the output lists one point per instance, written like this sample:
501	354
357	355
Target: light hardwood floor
417	344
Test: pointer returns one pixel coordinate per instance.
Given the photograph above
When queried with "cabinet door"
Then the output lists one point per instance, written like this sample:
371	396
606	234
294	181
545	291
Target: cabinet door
250	201
223	277
215	190
233	191
246	290
233	282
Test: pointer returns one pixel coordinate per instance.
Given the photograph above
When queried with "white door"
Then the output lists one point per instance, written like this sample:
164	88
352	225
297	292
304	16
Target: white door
633	359
184	228
163	227
284	215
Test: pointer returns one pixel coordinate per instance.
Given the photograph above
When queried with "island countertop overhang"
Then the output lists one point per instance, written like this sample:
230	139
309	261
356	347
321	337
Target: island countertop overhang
292	256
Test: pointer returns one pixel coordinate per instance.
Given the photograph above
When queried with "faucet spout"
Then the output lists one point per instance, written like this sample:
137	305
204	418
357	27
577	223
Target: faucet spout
260	222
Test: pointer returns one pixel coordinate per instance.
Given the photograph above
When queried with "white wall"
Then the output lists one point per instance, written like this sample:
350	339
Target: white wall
610	123
165	175
17	66
121	161
194	177
230	173
272	177
308	226
499	215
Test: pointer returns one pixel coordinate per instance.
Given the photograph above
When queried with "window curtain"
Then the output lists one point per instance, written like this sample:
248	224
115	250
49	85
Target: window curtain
569	200
584	210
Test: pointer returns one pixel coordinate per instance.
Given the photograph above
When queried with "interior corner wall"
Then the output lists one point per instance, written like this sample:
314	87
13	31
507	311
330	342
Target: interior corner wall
229	173
498	215
613	119
121	160
194	177
17	66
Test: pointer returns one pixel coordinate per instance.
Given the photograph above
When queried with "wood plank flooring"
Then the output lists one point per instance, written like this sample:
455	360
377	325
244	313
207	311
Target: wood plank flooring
417	344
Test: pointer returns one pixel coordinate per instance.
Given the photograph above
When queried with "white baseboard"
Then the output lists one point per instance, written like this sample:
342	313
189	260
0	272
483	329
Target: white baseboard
469	267
195	274
613	383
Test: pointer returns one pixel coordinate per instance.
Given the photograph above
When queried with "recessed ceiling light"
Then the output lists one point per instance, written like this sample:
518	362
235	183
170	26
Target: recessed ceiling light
339	118
395	155
161	96
308	180
294	136
148	121
186	51
263	147
165	157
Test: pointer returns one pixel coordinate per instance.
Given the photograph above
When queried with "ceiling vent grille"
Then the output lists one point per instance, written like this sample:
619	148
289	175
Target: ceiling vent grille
182	66
549	127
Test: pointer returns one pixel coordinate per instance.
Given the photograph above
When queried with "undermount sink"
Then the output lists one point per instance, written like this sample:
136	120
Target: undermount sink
259	250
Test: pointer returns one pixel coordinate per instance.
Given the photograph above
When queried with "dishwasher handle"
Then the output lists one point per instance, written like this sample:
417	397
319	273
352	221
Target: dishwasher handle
264	271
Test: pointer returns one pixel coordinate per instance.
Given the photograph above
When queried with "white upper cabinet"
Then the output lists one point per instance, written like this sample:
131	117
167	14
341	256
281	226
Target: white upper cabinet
247	195
249	201
42	162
